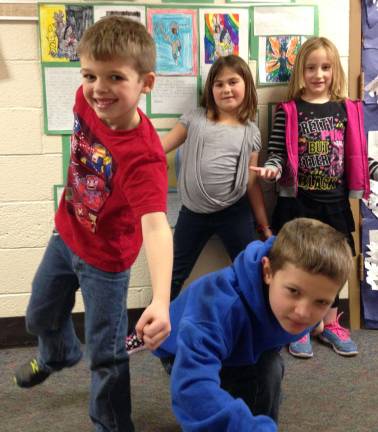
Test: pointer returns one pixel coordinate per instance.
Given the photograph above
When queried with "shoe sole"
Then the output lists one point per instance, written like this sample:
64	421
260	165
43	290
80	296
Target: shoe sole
135	350
342	353
301	355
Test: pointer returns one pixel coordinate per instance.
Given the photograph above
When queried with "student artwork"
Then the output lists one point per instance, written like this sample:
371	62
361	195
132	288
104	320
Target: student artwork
223	31
277	56
221	35
136	13
281	52
61	28
175	35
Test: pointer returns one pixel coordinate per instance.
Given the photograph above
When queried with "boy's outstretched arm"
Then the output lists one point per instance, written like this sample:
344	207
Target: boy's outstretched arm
154	326
199	403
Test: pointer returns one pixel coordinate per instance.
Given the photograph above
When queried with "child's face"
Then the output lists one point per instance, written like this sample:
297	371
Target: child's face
298	299
112	89
317	75
228	91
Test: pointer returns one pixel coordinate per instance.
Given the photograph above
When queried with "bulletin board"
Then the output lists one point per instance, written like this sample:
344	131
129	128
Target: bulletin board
188	38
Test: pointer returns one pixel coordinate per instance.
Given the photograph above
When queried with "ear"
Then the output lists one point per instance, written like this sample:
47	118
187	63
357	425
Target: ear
266	270
148	82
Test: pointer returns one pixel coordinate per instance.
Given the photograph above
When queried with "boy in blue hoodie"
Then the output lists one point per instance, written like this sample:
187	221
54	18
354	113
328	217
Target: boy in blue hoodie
222	325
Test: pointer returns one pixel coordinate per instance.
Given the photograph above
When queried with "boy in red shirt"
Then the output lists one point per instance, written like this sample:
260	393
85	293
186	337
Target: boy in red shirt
115	197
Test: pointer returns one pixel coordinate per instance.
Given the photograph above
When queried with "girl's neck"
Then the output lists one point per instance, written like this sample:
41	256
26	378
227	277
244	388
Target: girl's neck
316	99
224	118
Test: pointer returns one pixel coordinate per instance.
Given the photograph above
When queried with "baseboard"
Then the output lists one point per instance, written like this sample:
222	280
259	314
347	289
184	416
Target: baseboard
13	333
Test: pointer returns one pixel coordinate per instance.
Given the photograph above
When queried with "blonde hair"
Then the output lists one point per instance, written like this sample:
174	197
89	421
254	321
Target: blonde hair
117	37
296	83
247	110
314	247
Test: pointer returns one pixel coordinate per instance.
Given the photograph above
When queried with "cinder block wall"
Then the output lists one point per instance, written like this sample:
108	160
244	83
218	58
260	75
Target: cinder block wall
31	162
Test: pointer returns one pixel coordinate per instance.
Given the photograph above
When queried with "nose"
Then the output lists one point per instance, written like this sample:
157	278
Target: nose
100	86
303	310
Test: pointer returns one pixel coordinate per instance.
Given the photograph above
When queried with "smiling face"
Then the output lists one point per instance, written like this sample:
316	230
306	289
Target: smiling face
298	299
317	76
112	89
228	92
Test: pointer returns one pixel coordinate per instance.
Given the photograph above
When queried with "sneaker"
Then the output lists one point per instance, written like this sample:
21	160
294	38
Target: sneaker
30	374
133	343
301	348
339	338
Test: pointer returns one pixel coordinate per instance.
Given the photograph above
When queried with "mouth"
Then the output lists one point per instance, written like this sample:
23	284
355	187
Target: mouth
104	103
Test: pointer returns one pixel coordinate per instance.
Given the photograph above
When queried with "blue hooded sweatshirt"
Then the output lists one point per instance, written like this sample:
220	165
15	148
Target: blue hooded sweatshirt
222	319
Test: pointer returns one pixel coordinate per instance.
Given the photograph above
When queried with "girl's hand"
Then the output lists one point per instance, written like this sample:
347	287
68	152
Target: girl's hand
265	173
154	326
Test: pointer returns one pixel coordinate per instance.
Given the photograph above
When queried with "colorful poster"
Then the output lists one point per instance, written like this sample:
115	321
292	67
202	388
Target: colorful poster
175	35
221	35
276	58
222	32
61	28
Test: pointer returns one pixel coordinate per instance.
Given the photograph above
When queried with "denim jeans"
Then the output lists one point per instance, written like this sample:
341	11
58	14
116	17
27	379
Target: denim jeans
48	316
259	385
233	225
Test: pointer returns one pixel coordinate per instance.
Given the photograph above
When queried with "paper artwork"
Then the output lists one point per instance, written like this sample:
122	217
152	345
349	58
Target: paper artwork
175	35
277	56
61	28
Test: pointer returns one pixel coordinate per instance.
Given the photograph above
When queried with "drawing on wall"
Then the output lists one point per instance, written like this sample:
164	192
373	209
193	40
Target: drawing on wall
281	52
276	58
221	35
175	35
222	31
136	13
61	28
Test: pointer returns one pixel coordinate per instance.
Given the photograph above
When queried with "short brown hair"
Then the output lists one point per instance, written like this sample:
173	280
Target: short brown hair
296	84
119	37
248	107
314	247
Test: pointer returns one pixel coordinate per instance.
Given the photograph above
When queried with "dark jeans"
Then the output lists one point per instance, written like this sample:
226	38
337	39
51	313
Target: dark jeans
259	385
234	225
48	316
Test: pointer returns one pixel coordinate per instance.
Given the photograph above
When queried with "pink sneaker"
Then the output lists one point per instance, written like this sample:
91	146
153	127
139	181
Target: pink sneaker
301	348
339	338
133	343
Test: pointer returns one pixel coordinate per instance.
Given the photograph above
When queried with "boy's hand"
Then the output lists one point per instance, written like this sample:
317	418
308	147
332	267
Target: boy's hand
154	326
265	173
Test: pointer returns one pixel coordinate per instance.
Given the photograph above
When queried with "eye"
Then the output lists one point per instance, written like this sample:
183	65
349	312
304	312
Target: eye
323	303
326	67
89	77
116	78
292	291
218	85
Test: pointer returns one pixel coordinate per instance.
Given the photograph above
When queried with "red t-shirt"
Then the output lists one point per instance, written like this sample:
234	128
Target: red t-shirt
114	177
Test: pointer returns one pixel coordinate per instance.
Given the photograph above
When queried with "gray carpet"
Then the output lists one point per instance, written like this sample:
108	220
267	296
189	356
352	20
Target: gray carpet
325	394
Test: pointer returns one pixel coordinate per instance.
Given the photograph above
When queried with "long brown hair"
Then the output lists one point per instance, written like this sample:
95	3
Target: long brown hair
248	108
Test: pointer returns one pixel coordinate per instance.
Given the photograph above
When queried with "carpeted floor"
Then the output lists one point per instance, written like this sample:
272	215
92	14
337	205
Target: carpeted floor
325	394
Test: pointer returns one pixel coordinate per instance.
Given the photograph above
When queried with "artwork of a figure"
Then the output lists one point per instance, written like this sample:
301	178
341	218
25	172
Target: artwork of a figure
175	38
63	30
221	36
280	56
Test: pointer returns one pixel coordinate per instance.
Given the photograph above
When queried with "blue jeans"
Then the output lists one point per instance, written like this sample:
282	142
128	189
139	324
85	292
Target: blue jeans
48	316
259	385
233	225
